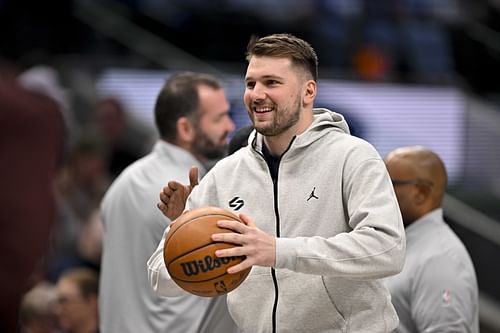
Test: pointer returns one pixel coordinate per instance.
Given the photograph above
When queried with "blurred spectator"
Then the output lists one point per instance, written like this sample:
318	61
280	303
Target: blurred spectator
31	142
124	140
84	178
437	289
80	188
90	239
77	291
46	80
37	312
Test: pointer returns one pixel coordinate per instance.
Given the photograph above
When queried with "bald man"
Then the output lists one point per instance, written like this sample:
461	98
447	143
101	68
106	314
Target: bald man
437	288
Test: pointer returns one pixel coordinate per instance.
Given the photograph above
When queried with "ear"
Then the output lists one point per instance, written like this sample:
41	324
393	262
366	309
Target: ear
423	195
185	131
310	92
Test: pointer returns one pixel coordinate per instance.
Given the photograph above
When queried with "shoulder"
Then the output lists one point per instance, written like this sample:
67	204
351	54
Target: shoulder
352	146
441	252
242	156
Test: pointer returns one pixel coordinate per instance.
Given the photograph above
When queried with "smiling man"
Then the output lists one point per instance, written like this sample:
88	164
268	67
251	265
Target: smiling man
317	262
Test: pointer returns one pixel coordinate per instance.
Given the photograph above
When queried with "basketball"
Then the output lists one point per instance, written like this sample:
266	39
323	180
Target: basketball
189	253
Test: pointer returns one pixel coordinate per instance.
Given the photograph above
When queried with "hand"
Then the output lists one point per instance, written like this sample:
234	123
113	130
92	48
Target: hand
174	196
258	247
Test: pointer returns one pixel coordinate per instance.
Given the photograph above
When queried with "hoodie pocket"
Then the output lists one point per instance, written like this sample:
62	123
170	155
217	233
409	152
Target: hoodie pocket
251	304
304	305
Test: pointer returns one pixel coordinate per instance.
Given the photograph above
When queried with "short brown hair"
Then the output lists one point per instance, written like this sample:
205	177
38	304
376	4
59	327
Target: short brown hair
86	279
285	45
179	98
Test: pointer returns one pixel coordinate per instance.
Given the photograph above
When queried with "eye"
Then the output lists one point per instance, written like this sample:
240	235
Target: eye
250	84
272	82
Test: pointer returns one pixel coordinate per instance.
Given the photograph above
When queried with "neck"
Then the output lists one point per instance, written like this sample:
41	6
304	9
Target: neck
199	157
188	147
277	144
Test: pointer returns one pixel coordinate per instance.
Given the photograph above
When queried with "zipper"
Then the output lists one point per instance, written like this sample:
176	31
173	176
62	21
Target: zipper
277	217
273	271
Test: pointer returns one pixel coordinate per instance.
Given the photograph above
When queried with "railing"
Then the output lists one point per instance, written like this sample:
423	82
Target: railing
475	224
109	22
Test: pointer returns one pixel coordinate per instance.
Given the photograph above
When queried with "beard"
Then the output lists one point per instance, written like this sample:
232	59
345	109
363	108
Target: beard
207	147
284	119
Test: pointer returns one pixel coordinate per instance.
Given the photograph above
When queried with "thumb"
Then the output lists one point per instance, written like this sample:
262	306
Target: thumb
193	177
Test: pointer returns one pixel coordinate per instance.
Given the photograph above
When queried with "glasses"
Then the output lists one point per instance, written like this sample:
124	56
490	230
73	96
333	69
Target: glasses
415	181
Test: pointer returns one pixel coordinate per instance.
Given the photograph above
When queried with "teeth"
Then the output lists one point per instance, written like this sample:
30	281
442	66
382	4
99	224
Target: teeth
262	110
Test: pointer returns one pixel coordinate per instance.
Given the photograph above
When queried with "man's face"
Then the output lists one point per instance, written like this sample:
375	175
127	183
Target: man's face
73	310
214	125
273	94
400	170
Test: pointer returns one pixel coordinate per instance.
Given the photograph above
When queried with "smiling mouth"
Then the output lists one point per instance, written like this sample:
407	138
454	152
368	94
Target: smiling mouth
262	109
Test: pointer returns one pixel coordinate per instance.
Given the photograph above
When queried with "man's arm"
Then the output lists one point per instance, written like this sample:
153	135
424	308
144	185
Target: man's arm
158	275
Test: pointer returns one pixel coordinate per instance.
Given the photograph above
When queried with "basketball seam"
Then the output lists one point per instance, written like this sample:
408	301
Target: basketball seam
232	217
200	247
196	218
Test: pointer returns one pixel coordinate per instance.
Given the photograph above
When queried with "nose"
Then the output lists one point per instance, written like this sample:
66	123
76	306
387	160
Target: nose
258	93
229	125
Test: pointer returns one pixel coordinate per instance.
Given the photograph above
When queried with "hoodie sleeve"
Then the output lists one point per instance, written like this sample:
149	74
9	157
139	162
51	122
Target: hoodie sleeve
375	246
158	275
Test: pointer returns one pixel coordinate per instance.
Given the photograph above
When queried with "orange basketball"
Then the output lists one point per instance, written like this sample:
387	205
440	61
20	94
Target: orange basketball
189	253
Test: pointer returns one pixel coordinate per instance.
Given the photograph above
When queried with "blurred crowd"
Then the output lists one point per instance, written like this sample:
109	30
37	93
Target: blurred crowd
65	243
403	40
96	153
450	41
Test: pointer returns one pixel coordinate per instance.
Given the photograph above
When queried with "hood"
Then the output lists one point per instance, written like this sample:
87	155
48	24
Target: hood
324	121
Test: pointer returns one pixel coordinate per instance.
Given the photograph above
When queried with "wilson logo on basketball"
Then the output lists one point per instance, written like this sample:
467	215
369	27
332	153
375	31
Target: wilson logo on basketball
208	263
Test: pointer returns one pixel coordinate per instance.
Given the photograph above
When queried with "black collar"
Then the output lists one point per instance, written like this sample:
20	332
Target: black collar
271	160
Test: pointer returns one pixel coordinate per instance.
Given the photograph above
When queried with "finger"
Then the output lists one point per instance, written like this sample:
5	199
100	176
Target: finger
164	198
240	267
228	237
167	191
247	220
236	251
163	208
193	177
233	225
174	186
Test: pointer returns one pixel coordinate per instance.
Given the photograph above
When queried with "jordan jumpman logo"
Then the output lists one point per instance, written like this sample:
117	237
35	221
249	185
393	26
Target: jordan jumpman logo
312	195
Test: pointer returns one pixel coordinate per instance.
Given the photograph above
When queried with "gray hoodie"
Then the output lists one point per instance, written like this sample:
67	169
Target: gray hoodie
338	228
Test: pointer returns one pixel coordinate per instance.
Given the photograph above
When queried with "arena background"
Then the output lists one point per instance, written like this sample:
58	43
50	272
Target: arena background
403	72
